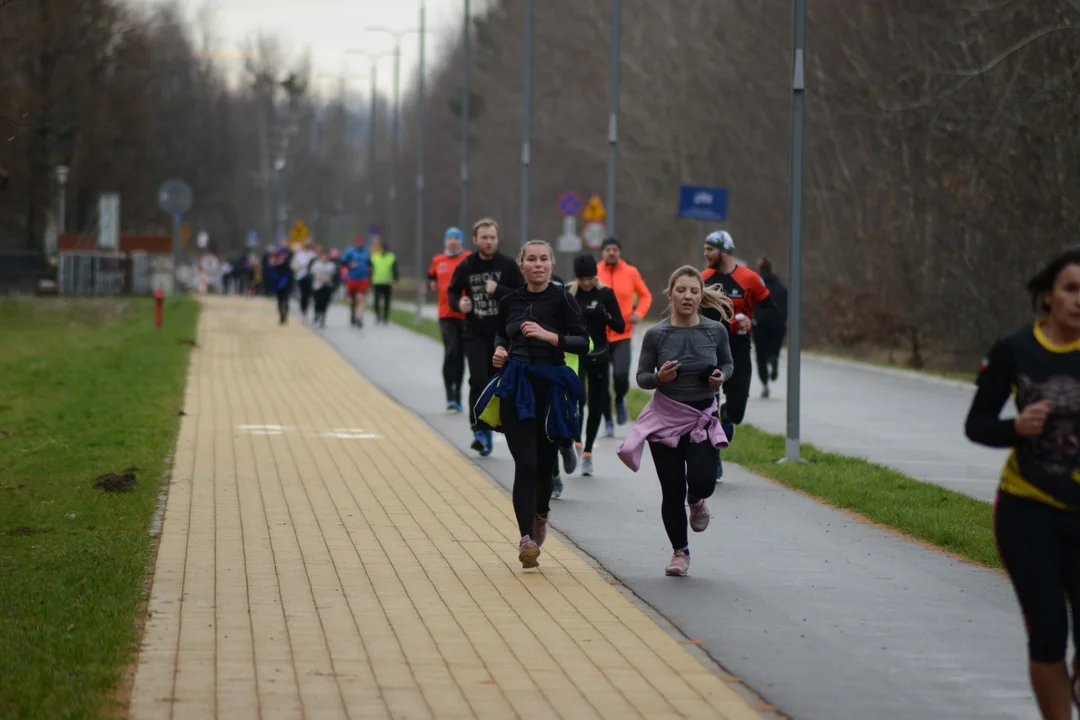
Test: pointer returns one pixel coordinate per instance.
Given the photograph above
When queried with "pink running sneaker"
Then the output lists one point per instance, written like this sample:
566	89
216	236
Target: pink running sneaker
528	552
699	516
679	565
540	529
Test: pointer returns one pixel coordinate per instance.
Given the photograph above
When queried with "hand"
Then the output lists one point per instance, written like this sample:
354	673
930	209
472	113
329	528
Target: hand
743	323
499	359
1032	419
531	330
634	318
465	305
432	285
668	371
716	380
490	286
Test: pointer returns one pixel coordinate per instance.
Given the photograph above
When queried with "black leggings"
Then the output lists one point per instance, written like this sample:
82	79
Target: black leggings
534	459
687	474
595	375
283	303
453	367
737	387
619	352
383	293
322	300
478	353
306	284
768	339
1039	546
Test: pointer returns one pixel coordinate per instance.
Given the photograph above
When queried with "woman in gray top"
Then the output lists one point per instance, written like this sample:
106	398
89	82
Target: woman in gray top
685	358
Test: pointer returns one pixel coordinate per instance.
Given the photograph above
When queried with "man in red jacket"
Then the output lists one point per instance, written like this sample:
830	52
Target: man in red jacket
747	290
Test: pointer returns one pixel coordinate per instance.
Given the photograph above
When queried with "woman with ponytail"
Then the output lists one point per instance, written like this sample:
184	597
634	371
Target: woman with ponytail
685	358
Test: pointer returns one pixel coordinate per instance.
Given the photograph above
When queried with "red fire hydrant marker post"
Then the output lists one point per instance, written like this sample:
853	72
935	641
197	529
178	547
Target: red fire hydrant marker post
159	304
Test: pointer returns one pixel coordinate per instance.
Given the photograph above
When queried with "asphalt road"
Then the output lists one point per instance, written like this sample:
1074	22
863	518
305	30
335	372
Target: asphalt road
824	616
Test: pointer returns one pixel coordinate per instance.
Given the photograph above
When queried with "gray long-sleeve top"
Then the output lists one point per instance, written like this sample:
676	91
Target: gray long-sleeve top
697	349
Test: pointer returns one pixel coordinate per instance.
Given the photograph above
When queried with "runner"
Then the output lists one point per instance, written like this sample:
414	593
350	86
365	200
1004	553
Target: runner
323	272
770	327
685	359
479	282
600	308
451	323
384	274
1037	510
357	278
301	265
282	279
746	290
634	301
537	393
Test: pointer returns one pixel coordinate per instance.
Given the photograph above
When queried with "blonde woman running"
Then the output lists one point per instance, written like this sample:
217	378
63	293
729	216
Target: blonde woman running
685	358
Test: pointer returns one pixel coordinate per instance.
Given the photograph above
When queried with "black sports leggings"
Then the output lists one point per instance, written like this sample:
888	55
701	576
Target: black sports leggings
1039	546
687	474
595	374
768	339
737	387
534	458
383	295
453	368
620	354
478	353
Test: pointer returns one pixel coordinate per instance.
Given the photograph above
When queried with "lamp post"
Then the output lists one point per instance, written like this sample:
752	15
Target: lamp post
374	59
798	113
61	181
527	124
466	62
613	113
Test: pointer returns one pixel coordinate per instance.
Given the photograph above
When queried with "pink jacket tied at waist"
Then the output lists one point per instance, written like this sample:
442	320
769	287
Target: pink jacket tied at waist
665	421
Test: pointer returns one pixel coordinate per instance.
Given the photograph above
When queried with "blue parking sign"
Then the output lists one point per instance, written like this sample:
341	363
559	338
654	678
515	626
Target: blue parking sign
698	202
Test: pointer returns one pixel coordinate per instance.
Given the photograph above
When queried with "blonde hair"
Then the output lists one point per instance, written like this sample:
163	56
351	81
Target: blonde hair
545	243
483	223
712	297
377	247
572	288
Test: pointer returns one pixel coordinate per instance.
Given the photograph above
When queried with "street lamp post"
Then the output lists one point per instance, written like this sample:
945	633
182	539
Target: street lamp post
527	124
369	200
61	180
421	101
466	62
798	112
613	115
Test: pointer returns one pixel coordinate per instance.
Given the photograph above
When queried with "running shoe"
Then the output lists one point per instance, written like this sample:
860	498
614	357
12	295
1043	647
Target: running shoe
609	429
540	529
478	441
586	465
765	392
458	407
451	406
679	565
699	516
719	470
556	487
489	442
569	458
528	552
775	372
621	415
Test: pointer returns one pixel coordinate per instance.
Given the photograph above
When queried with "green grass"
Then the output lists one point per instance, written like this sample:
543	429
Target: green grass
943	518
86	387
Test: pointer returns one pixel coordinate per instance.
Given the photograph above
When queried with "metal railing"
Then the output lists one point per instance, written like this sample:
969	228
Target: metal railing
93	273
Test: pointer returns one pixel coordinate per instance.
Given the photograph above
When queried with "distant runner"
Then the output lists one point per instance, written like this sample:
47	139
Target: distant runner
747	291
451	322
384	273
301	265
282	278
323	271
770	327
479	282
634	301
357	278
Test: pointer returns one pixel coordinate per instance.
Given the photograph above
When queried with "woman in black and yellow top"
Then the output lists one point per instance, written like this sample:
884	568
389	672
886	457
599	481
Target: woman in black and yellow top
1037	511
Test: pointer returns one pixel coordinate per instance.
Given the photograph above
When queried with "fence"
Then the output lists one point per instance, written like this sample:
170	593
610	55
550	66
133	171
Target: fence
105	273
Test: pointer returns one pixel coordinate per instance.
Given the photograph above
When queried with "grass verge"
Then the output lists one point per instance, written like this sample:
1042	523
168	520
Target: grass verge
87	387
945	519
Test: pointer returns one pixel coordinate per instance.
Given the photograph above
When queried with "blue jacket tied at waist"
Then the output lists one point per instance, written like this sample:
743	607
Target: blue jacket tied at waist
512	384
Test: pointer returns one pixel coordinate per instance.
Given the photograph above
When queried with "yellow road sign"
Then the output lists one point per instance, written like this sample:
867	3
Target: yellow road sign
594	211
299	233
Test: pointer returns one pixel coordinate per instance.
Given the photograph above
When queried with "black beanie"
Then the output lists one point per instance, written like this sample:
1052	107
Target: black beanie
584	266
611	240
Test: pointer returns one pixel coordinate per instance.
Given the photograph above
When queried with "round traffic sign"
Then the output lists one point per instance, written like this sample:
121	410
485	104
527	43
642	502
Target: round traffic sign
175	197
569	203
593	233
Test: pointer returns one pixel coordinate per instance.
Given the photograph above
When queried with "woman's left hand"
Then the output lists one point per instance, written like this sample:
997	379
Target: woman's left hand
531	330
716	380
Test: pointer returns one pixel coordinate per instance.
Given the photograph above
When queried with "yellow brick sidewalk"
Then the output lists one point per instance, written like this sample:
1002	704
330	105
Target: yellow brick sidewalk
324	555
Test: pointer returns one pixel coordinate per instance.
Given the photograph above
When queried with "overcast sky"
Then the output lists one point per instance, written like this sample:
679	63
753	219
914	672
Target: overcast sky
329	27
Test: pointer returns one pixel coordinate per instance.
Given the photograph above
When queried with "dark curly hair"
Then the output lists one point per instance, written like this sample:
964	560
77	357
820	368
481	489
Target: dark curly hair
1043	281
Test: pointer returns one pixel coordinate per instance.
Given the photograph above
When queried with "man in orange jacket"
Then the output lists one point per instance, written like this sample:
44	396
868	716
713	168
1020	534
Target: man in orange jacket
634	302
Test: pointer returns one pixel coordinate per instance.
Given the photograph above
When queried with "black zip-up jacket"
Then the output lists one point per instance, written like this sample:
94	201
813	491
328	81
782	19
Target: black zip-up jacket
601	311
471	277
553	309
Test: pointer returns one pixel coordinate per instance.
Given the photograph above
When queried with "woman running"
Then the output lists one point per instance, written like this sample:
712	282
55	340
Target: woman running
537	324
686	359
601	311
1037	509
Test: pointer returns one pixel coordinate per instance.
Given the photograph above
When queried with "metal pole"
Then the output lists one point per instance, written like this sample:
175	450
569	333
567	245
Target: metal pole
371	146
421	101
395	151
613	117
528	122
463	212
176	258
791	446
